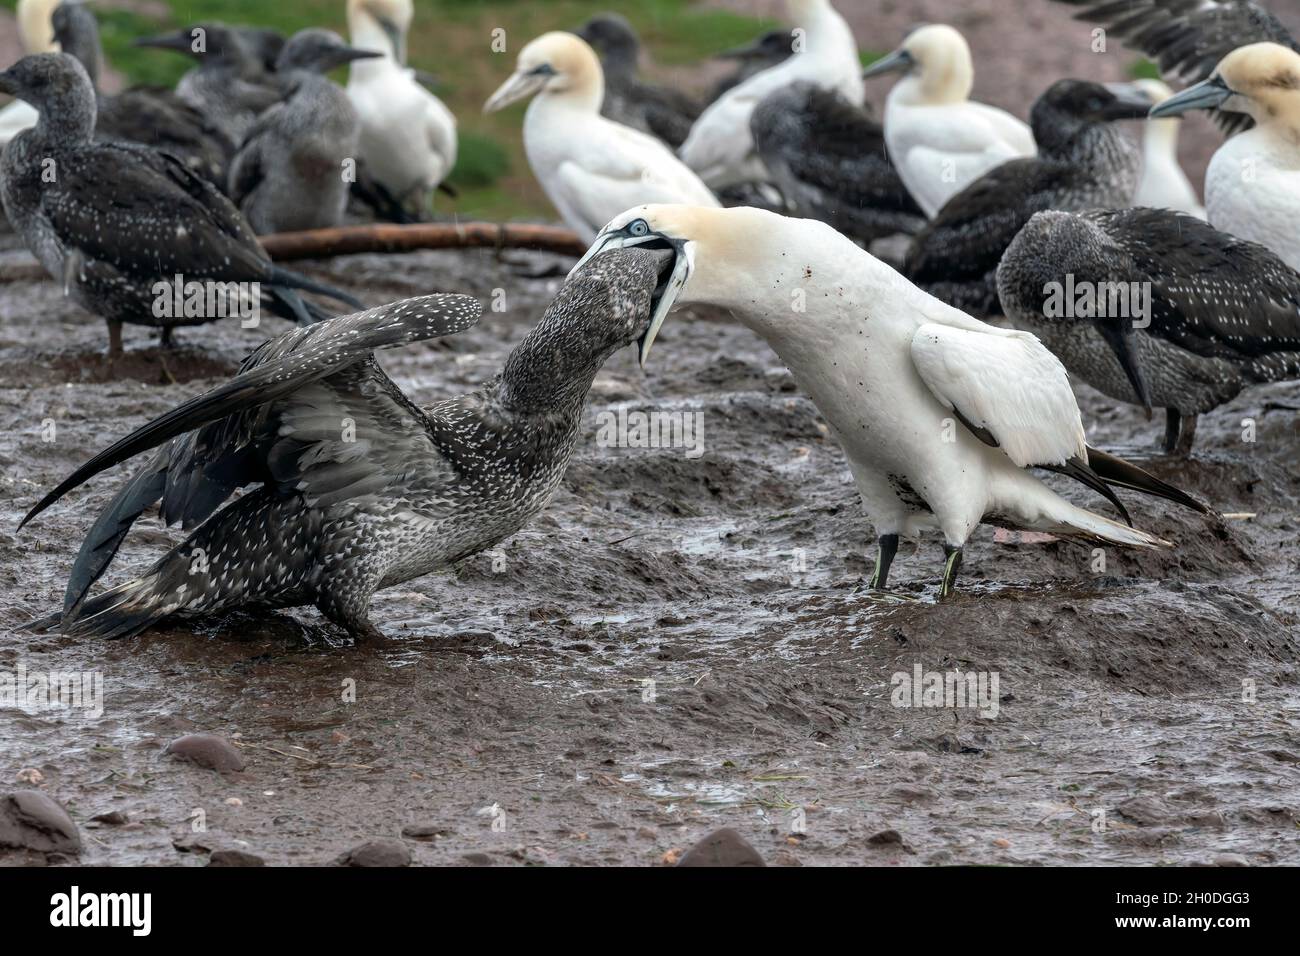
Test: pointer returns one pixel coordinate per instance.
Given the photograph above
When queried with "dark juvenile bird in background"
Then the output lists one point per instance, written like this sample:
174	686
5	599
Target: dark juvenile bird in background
1223	313
289	173
338	516
658	110
154	116
828	159
771	49
1083	162
110	221
231	85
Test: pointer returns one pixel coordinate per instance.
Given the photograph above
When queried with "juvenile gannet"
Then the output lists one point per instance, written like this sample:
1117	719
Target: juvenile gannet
828	159
939	415
1083	162
290	172
408	137
230	86
771	49
939	139
153	116
658	110
36	34
591	168
118	219
336	517
1163	184
1155	308
720	146
1252	186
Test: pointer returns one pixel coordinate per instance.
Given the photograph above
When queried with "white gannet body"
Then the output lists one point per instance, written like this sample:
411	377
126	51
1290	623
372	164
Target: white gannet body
941	141
591	167
939	414
1163	184
36	33
720	146
1252	186
408	137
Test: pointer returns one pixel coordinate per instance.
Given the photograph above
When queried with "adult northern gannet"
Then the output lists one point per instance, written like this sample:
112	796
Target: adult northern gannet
1083	162
941	141
1163	184
289	174
36	34
939	415
721	148
1155	308
119	219
1252	186
408	136
828	159
333	520
658	110
154	116
591	168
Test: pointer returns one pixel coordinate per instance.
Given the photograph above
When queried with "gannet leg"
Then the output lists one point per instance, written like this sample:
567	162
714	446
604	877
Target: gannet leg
1186	435
950	568
114	339
1173	423
887	547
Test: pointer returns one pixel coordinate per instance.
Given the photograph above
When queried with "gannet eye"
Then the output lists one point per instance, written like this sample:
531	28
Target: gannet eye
638	229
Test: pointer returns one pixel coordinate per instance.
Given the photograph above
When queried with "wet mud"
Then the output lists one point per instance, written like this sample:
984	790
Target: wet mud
678	644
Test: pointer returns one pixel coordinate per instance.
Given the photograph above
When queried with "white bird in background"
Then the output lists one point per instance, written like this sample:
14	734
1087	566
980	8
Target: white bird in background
939	139
590	167
408	137
1252	186
1163	184
36	33
720	146
939	415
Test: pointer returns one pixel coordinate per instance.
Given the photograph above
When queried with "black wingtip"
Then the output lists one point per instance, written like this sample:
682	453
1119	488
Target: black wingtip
293	280
1124	474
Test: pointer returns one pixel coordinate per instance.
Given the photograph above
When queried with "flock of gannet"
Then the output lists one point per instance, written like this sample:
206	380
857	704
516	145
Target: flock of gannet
942	417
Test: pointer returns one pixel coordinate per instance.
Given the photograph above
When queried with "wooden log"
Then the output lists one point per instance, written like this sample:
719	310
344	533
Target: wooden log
351	240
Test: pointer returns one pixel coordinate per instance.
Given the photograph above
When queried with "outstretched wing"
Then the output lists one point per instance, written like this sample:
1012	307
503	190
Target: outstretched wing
310	413
1005	386
1188	38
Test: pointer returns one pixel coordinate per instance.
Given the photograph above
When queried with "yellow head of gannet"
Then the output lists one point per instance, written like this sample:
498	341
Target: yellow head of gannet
555	64
381	24
938	57
1261	80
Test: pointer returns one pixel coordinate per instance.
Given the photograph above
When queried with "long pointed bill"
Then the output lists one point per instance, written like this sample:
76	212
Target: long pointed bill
896	62
683	266
1131	102
1119	336
746	52
518	87
1206	95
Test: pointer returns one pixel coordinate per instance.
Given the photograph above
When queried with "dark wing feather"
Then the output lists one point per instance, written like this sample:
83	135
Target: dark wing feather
1187	38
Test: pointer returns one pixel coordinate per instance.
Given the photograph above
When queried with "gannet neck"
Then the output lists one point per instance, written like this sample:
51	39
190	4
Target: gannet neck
1264	80
1160	140
367	32
35	29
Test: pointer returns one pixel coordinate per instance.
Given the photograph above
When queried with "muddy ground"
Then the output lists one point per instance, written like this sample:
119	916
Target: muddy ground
731	580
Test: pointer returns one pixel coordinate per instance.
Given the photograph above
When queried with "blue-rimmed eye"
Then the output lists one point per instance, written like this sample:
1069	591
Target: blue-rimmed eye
638	229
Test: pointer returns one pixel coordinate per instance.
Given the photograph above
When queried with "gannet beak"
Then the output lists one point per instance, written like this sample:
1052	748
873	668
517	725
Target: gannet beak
181	42
1206	95
1119	336
741	52
518	87
898	61
349	53
1130	102
665	297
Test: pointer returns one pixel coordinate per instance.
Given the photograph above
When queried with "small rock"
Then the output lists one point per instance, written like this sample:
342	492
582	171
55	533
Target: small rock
233	802
477	859
671	857
423	831
885	837
939	858
1231	859
647	833
235	858
723	847
114	818
208	751
30	776
382	852
30	820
